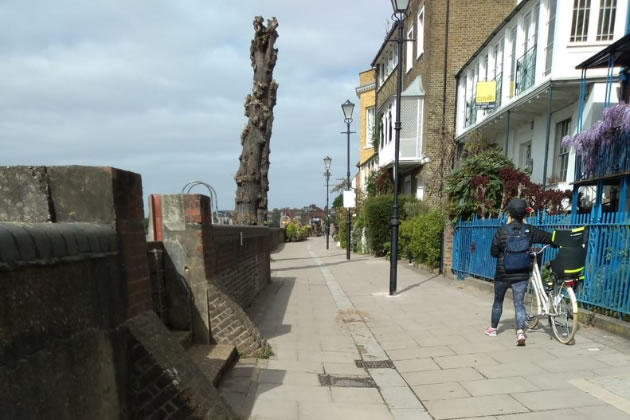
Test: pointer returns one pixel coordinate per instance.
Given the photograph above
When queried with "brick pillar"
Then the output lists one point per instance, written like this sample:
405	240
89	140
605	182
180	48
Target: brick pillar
86	194
447	258
129	222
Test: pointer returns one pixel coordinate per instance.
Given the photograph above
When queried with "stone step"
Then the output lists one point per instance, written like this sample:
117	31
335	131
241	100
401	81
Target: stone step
214	360
183	337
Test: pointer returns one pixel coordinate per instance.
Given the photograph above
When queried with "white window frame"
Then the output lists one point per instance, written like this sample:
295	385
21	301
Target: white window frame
420	35
608	7
561	154
574	37
409	64
369	128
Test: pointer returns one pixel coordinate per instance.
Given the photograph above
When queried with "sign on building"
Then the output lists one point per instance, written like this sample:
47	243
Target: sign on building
486	94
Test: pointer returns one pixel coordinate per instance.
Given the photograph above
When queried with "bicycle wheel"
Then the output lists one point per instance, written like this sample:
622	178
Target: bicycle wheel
564	323
532	306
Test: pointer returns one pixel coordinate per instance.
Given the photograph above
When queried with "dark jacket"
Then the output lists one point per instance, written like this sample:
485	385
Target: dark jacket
536	236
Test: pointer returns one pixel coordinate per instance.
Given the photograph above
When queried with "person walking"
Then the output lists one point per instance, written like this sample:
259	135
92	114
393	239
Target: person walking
511	246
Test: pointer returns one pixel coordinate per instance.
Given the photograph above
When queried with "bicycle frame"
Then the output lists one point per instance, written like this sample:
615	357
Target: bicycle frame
543	300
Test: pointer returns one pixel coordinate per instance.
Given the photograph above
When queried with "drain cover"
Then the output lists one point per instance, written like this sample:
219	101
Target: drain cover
346	381
374	364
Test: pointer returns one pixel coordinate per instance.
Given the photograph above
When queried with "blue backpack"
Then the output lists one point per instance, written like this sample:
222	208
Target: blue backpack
516	257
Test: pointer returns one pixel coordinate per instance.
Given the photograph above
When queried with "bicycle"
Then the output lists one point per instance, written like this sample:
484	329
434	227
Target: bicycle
555	300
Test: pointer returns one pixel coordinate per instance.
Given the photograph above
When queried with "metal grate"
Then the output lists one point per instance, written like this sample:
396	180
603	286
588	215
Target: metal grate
346	382
374	364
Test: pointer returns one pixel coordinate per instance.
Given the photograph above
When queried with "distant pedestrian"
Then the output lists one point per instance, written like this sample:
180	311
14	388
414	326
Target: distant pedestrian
510	246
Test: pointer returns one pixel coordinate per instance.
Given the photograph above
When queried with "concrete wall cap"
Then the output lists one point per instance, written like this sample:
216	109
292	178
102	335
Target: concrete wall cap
46	243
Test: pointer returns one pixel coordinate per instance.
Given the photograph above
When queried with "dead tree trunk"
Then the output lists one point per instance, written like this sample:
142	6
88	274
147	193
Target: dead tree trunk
251	179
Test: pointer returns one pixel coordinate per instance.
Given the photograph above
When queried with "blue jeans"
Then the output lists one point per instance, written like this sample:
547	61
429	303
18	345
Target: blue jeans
518	290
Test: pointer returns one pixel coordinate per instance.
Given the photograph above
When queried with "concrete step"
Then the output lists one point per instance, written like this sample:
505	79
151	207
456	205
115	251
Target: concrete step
183	337
214	360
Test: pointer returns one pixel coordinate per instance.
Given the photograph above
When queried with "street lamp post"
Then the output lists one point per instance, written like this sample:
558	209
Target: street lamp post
347	108
327	161
400	13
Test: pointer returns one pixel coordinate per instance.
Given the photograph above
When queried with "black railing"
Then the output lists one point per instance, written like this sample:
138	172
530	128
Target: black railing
526	70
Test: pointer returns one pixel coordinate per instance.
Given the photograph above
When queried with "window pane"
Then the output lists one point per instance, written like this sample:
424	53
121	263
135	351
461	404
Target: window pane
606	21
581	15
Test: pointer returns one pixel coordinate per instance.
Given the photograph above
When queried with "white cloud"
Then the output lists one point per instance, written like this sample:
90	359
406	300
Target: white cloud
157	87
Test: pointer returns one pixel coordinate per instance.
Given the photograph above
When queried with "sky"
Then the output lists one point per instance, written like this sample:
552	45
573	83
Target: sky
157	87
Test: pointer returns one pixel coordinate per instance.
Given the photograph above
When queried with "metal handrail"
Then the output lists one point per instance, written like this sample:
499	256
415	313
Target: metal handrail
213	197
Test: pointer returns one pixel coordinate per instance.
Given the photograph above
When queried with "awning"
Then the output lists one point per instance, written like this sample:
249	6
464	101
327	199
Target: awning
619	51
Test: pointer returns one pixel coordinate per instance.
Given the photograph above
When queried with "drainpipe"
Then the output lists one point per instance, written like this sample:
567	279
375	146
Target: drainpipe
507	132
549	109
446	29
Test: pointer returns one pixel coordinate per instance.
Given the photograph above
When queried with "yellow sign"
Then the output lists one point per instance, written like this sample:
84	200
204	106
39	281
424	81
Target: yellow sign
487	92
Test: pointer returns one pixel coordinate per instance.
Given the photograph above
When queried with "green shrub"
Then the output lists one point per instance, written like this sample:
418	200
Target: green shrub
421	238
295	232
378	214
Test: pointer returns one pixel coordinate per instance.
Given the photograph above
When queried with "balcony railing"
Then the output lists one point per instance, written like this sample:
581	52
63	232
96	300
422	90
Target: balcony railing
526	70
610	160
497	104
471	112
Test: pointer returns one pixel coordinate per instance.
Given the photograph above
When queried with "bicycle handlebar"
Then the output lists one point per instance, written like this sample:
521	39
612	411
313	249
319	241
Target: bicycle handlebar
540	251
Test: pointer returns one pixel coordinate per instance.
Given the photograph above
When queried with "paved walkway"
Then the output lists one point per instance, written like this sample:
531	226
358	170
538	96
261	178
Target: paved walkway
322	313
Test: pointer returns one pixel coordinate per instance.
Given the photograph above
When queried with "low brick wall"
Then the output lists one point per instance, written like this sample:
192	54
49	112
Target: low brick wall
278	236
62	296
241	261
78	339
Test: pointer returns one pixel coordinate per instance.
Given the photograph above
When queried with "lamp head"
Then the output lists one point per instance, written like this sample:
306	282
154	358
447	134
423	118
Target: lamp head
347	108
400	6
327	161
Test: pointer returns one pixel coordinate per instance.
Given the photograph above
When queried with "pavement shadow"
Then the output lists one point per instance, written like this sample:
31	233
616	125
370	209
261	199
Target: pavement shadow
418	284
241	386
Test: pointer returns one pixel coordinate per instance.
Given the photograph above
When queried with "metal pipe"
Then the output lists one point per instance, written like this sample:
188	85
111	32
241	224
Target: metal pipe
549	109
507	132
393	262
348	217
327	175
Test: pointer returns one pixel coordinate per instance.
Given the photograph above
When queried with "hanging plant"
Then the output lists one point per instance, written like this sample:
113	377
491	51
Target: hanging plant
603	133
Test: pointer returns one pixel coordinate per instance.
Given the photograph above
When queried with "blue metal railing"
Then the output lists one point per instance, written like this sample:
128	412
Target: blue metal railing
607	283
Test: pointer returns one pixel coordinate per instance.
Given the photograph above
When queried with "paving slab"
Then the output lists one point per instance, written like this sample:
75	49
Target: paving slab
442	376
338	411
556	399
474	407
498	386
356	395
416	365
322	312
445	391
401	397
274	409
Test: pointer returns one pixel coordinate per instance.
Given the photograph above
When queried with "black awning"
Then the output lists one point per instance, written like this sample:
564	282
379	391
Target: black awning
620	51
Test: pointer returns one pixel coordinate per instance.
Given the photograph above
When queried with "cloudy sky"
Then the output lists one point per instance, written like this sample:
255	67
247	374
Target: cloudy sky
157	87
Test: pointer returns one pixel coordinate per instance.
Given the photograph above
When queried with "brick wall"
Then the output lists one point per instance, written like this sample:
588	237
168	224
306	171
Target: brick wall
447	256
84	194
468	28
62	297
226	266
164	380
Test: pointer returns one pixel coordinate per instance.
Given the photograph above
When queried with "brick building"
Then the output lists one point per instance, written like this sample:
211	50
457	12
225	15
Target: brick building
366	92
443	36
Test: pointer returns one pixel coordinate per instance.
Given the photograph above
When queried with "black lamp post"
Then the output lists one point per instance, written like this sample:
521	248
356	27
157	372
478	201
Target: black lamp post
327	161
400	13
347	108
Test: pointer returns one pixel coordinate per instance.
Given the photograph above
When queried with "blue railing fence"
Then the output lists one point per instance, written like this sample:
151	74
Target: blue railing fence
607	282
